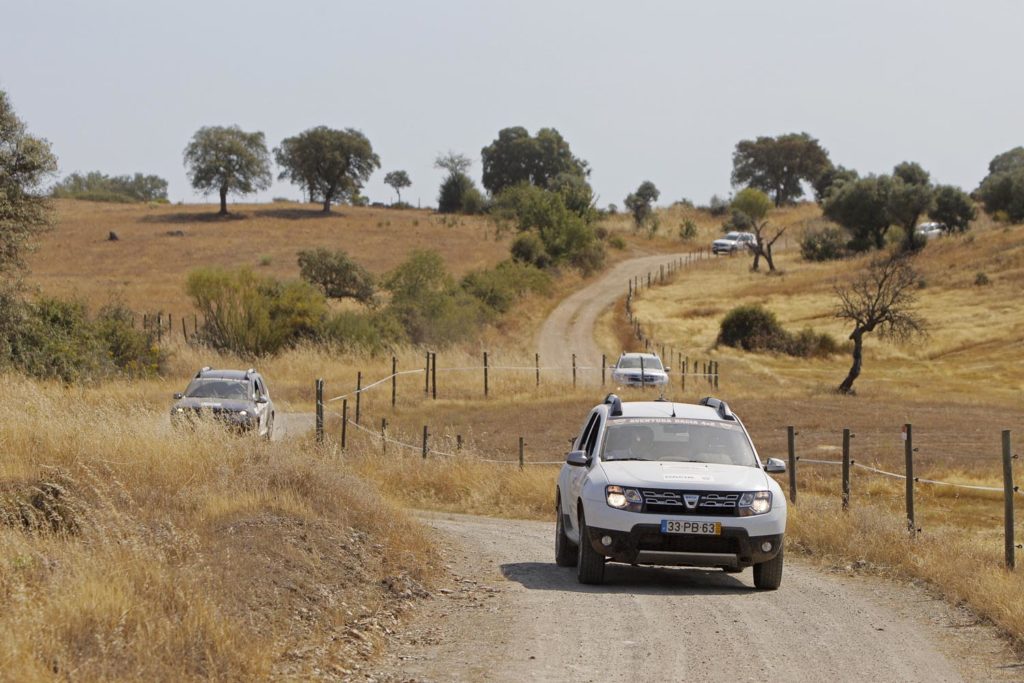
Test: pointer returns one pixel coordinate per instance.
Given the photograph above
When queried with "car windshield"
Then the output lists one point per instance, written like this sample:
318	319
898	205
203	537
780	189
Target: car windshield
732	236
218	388
677	440
633	363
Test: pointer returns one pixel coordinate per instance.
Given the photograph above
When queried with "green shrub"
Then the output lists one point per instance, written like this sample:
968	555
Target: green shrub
752	328
134	352
458	194
56	341
617	242
336	275
500	287
528	248
827	244
371	332
252	315
981	279
687	230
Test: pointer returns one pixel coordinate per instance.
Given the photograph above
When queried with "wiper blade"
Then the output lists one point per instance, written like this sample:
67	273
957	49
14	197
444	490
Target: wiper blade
621	459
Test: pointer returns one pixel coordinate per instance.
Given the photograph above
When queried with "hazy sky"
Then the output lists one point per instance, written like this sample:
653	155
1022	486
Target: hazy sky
640	89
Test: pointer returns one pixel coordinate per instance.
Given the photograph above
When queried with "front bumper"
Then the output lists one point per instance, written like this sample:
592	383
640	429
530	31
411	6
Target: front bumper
634	380
645	544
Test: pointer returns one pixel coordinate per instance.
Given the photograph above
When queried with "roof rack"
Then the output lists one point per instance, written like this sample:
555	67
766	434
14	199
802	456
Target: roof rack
616	405
203	369
719	405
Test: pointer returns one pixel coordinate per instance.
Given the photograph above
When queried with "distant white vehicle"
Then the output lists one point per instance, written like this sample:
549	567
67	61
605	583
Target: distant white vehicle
733	242
930	230
640	370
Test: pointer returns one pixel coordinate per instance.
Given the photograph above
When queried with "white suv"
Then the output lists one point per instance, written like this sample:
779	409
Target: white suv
640	370
662	483
733	242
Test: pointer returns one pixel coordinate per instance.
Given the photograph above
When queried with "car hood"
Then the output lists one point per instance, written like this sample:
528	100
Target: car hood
684	475
636	371
232	404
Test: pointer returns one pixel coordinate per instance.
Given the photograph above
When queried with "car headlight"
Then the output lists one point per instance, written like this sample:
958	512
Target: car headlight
243	413
623	498
179	410
755	503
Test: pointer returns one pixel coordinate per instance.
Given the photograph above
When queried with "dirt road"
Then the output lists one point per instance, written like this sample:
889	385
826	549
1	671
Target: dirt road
513	615
570	327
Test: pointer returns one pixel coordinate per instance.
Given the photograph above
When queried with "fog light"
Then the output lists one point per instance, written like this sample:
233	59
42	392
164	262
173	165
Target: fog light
606	541
766	546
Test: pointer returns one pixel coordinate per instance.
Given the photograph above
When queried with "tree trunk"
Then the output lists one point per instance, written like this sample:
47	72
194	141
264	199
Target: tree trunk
757	259
399	193
224	200
768	258
858	360
327	204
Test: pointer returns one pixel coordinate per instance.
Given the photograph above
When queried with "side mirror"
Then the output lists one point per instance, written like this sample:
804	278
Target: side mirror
577	458
263	399
668	369
775	466
178	396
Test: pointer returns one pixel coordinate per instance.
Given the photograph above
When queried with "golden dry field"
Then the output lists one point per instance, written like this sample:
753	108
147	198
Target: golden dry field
211	545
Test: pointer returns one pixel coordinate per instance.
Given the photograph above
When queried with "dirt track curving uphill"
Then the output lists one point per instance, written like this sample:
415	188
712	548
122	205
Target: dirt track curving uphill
570	327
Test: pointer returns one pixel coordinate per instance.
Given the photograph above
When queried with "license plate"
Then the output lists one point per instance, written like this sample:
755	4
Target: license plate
674	526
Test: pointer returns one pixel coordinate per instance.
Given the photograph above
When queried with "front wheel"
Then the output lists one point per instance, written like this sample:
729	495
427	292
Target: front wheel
589	562
768	575
565	550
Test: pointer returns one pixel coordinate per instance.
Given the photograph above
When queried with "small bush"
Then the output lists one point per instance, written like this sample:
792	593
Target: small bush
617	242
371	332
500	287
601	232
754	328
687	230
132	351
590	258
528	248
827	244
717	206
265	260
336	275
981	280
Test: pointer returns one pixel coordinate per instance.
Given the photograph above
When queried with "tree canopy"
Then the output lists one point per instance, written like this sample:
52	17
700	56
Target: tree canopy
97	186
398	180
953	208
1002	190
517	157
641	203
861	206
329	164
26	163
227	160
779	165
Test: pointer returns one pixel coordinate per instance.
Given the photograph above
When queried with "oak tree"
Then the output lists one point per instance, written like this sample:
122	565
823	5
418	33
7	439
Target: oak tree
778	166
227	160
331	165
397	180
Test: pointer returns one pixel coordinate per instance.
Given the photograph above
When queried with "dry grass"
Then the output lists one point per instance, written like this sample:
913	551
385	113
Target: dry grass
147	266
133	552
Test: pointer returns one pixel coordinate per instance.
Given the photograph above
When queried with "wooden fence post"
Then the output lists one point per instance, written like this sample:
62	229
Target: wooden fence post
604	367
433	374
1008	499
359	393
643	383
536	363
486	388
394	381
908	456
791	443
521	447
344	422
846	469
424	442
458	443
319	411
383	436
574	371
426	375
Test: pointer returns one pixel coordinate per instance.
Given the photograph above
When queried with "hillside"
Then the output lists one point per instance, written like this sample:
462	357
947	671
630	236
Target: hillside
157	245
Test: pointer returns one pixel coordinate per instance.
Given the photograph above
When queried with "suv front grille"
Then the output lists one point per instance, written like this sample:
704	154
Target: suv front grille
670	501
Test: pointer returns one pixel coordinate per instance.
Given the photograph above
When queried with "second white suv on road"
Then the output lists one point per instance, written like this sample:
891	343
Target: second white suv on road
663	483
640	370
733	242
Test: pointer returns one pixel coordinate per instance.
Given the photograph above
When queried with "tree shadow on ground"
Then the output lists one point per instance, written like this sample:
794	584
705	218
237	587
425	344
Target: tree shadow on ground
189	217
296	213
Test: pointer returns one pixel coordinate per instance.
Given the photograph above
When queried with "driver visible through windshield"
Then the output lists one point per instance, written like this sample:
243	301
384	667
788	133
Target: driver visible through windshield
218	388
677	440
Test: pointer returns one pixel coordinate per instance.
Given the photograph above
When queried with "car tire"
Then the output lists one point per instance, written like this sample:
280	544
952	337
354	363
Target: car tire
589	562
565	550
768	575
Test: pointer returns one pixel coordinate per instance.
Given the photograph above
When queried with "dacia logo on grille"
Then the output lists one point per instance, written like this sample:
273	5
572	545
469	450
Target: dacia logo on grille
691	500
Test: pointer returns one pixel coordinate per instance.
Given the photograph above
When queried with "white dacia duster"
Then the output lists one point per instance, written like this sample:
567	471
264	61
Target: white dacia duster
663	483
